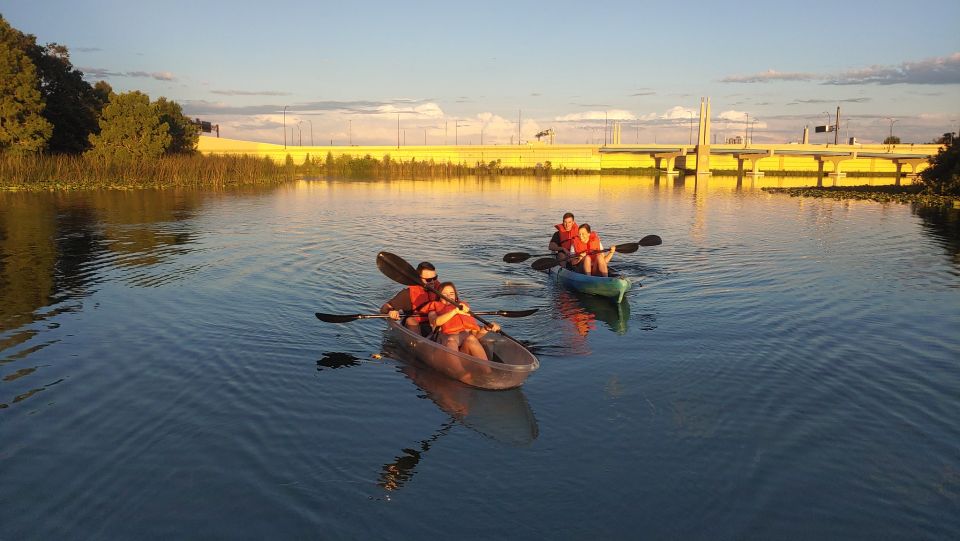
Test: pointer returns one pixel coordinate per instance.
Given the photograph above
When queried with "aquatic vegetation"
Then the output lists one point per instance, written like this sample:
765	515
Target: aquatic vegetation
884	194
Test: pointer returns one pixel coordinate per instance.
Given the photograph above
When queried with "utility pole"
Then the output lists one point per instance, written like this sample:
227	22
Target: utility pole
350	131
690	139
746	131
519	124
285	126
604	128
398	130
836	133
311	130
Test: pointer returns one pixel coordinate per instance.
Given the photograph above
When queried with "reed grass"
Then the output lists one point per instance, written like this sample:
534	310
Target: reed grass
65	172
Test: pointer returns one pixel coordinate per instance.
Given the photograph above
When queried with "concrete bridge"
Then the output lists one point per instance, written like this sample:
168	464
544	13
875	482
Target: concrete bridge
701	158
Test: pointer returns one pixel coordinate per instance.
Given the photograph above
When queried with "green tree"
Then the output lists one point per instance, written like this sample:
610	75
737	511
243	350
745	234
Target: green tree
103	91
71	105
943	175
184	134
130	129
22	126
945	139
892	140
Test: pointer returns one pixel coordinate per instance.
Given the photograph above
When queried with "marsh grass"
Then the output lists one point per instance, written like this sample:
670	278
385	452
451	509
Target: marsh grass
65	172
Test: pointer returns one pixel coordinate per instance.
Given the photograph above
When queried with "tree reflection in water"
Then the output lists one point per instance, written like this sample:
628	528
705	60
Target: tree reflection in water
943	225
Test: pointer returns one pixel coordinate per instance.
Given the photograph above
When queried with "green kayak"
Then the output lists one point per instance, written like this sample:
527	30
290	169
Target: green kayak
613	287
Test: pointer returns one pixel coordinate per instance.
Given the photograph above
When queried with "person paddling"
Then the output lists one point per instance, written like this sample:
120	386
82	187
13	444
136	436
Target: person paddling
562	239
589	241
414	299
458	330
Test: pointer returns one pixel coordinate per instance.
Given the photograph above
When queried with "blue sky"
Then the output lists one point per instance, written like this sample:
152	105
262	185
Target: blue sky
349	69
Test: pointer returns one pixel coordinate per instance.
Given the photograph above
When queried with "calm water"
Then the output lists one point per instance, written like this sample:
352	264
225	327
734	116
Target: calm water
790	367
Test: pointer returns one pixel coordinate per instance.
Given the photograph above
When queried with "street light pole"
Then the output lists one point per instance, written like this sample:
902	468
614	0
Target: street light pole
285	126
892	120
746	131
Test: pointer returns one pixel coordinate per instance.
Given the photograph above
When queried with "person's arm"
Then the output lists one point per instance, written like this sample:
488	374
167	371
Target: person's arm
439	320
609	255
492	326
554	245
400	301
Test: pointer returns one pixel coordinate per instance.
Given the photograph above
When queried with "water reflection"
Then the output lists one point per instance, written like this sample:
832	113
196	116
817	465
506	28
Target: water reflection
583	311
943	225
503	416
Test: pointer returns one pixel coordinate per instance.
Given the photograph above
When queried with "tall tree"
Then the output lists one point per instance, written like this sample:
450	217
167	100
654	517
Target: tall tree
72	106
22	126
184	134
130	129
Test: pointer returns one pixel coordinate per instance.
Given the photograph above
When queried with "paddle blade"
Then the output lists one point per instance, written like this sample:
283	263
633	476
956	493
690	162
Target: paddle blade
334	318
651	240
517	313
516	257
545	263
628	247
397	269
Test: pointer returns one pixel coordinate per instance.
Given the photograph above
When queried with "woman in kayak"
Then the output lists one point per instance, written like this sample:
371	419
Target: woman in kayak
458	330
588	241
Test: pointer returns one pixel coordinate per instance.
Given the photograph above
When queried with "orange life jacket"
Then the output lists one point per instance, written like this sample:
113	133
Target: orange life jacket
593	243
457	323
566	237
419	299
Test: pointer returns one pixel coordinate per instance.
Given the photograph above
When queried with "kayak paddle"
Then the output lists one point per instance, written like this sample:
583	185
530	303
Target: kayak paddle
344	318
626	248
397	269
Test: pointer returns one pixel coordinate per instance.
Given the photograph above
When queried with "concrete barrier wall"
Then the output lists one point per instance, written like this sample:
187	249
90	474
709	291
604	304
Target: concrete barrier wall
582	157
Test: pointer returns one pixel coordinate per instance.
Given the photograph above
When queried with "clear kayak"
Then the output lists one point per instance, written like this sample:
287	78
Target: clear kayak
511	365
613	287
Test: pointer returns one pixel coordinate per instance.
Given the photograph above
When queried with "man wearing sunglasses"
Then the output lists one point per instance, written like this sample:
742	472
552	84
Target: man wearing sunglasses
413	298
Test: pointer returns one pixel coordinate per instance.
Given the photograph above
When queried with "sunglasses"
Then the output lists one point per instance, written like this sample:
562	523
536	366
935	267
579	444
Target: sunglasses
434	279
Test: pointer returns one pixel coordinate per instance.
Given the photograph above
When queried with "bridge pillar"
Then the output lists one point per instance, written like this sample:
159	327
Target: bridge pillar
667	159
835	160
914	164
754	161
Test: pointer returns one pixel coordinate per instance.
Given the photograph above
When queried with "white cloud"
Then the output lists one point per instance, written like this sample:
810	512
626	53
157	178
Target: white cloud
944	70
930	71
679	113
613	114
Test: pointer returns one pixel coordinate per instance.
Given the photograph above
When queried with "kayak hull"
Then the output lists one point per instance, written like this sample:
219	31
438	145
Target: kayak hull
518	363
613	287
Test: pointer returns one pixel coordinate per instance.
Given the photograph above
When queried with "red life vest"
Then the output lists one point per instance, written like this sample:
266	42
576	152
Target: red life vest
566	237
419	299
592	244
457	323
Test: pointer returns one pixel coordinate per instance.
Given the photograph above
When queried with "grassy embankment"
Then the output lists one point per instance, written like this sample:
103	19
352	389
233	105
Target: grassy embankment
914	193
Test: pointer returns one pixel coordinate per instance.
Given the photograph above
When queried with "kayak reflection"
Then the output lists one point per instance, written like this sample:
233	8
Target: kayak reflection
503	416
584	310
